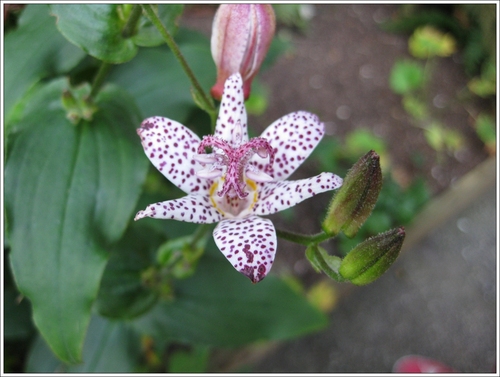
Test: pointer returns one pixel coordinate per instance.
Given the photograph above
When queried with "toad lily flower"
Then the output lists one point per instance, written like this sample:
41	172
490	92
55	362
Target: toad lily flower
239	180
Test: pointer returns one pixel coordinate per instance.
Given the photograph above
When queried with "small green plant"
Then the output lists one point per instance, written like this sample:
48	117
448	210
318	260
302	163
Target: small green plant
410	79
434	33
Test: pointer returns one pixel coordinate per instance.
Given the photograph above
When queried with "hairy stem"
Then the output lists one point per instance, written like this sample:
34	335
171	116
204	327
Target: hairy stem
199	233
208	104
303	239
99	78
129	28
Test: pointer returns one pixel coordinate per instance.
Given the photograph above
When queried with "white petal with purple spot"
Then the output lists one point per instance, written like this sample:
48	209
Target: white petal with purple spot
190	208
170	147
232	110
249	244
278	196
293	138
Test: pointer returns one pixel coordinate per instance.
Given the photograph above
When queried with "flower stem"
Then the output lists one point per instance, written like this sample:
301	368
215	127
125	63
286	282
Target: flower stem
99	78
207	103
199	233
129	28
303	239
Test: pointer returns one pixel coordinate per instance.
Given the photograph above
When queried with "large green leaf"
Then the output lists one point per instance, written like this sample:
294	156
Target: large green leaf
122	293
96	29
110	347
34	50
69	194
158	82
220	307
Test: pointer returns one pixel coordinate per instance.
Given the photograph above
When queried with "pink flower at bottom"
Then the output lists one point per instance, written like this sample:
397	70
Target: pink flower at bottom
239	181
420	364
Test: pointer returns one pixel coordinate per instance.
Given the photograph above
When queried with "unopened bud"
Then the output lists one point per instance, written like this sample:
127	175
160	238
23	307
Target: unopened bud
371	258
241	36
355	200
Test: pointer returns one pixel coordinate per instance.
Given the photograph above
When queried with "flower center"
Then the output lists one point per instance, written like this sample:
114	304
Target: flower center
237	175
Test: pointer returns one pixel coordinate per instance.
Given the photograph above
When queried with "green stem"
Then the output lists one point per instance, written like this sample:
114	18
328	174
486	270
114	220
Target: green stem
199	233
303	239
129	28
99	78
208	104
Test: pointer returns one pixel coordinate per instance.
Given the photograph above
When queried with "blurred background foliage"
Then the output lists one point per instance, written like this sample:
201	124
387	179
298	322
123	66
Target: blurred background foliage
152	312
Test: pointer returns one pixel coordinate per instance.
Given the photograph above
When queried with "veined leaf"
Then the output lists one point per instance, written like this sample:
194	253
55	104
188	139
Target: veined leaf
96	29
69	194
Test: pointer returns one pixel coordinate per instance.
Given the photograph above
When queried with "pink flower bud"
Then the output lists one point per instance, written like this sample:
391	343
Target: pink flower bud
241	36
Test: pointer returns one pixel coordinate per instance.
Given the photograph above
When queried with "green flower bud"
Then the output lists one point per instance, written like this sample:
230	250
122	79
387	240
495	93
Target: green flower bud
355	200
371	258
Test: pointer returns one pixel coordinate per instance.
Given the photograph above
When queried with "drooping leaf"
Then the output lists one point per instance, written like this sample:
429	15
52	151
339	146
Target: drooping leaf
219	307
96	29
110	347
69	194
33	51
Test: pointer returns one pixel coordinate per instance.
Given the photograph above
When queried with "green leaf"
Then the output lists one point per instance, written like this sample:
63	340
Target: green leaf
110	347
406	76
485	85
69	193
44	52
122	293
428	41
148	35
17	316
218	306
193	361
434	136
158	82
415	107
440	138
485	128
96	29
259	99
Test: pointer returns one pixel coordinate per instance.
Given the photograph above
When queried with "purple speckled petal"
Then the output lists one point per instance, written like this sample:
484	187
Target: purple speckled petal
277	196
231	124
191	208
293	138
249	244
170	147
